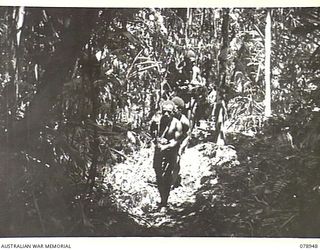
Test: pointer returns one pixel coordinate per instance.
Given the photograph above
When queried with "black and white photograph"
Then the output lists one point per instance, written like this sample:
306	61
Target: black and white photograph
160	122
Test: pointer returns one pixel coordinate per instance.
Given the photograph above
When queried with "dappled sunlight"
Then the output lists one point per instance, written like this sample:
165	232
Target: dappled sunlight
135	190
82	91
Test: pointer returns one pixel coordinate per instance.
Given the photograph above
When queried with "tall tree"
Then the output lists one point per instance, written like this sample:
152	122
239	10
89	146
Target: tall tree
268	31
220	111
75	34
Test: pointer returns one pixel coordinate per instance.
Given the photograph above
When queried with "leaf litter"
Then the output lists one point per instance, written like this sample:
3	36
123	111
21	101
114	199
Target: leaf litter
135	191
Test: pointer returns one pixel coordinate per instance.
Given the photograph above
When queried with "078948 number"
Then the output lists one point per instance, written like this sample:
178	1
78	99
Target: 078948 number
308	245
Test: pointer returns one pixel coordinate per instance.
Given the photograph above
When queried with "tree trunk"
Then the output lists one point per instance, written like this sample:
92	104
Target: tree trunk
220	110
267	110
10	90
56	73
94	144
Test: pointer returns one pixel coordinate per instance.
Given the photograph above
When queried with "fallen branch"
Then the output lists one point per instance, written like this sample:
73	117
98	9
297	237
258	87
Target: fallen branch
36	205
288	221
261	201
140	218
121	154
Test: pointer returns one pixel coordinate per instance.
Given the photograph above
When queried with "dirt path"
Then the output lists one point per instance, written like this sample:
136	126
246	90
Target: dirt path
136	193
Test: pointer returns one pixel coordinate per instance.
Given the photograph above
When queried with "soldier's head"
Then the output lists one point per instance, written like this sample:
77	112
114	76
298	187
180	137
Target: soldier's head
167	109
190	56
179	104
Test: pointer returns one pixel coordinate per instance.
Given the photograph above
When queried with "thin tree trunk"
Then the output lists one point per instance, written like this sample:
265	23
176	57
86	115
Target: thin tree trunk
220	111
90	77
94	147
267	111
187	27
11	90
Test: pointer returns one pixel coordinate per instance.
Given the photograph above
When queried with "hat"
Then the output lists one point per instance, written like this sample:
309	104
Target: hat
168	102
178	101
190	54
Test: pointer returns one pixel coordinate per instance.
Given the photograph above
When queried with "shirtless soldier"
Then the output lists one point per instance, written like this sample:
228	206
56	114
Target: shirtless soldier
179	107
191	85
167	132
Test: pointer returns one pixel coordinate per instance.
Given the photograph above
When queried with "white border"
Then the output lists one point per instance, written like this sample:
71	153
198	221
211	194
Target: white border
159	243
155	243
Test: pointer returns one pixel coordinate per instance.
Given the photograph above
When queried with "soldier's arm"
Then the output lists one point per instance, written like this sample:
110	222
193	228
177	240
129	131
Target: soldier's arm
196	76
177	136
186	135
178	133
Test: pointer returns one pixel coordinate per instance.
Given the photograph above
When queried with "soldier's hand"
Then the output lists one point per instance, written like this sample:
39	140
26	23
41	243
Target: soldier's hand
184	87
163	141
162	147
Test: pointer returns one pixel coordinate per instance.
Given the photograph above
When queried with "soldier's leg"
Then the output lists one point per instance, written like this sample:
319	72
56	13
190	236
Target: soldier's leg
191	112
158	168
171	158
176	178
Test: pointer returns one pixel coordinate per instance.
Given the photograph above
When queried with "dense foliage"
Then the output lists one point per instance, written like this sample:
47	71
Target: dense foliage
78	89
